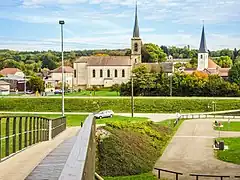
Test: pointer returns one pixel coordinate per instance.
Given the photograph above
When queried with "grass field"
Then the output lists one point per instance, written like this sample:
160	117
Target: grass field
232	126
147	176
231	155
102	92
118	105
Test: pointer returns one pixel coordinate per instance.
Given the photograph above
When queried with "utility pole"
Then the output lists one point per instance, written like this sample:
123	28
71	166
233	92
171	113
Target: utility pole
132	100
61	22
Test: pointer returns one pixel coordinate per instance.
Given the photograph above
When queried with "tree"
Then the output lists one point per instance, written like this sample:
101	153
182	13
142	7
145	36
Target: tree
224	61
115	87
234	74
36	84
49	61
153	53
165	49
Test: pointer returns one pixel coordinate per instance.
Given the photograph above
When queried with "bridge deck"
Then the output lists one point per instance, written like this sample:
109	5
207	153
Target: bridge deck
22	164
52	165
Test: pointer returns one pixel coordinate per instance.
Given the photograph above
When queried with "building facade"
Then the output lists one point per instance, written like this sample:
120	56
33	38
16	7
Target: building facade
104	71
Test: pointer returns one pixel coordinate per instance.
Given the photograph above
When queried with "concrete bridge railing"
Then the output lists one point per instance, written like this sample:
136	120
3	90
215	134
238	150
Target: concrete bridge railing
81	161
208	116
20	132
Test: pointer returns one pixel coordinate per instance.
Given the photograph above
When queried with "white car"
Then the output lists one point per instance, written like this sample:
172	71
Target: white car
104	114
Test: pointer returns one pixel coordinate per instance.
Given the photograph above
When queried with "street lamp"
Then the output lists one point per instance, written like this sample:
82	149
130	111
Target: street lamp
61	22
132	100
171	77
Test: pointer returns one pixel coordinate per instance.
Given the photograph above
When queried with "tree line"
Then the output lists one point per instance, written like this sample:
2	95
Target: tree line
148	83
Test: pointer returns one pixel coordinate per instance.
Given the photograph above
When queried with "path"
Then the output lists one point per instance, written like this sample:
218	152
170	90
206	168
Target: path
21	165
190	150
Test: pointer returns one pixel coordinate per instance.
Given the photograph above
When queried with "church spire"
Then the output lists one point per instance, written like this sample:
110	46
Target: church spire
203	44
136	27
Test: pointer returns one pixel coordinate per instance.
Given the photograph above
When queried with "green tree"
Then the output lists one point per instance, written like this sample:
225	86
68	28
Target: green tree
36	84
153	53
234	74
224	61
115	87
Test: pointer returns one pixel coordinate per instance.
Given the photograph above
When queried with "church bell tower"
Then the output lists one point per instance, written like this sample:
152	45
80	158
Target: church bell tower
203	53
136	44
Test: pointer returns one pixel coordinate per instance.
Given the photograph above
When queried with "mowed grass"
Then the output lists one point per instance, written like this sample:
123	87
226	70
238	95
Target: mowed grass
147	176
231	155
232	126
106	92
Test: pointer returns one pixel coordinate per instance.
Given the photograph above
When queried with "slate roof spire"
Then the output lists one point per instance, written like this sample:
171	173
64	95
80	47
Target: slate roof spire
136	27
203	44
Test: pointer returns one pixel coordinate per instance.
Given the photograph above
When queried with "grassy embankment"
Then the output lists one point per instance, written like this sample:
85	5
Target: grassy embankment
131	150
118	105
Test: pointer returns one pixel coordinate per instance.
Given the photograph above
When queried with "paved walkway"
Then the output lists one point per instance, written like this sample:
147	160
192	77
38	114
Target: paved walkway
190	151
21	165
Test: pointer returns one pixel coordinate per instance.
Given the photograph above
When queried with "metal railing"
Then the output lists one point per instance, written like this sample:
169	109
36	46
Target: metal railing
168	171
192	174
19	132
81	161
208	116
205	175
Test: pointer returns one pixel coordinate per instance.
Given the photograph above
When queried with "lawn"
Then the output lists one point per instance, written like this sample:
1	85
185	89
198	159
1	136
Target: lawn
103	92
233	153
232	126
147	176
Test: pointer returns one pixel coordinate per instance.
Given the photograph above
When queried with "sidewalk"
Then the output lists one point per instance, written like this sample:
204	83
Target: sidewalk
21	165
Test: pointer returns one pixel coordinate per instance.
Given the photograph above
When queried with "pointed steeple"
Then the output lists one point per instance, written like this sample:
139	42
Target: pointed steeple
136	27
203	44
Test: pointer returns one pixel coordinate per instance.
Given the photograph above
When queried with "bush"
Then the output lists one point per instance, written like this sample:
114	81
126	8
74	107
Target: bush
131	148
120	105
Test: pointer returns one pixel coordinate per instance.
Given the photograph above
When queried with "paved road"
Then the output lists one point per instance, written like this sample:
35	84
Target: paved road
21	165
190	151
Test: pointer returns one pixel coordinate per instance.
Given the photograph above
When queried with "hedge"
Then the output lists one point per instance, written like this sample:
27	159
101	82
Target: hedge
120	105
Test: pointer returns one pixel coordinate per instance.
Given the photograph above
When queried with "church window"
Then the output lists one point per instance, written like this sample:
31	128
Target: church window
101	73
116	73
136	47
75	73
94	73
108	73
201	56
135	61
123	73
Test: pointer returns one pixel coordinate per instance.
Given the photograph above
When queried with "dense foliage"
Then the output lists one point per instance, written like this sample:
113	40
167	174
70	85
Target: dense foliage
234	73
118	105
158	84
131	148
153	53
36	84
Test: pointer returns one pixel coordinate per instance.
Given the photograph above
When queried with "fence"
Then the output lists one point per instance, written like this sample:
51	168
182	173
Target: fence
81	161
208	116
19	132
194	175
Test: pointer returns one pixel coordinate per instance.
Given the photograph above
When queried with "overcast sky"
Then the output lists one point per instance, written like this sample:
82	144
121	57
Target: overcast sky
99	24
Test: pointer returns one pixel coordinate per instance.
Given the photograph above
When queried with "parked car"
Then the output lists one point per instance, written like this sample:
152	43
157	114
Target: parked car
104	114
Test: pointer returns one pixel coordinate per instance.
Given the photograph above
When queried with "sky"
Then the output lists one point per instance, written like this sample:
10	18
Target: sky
108	24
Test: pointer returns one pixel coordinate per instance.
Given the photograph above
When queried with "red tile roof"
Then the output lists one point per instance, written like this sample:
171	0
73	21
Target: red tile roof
7	71
212	64
67	69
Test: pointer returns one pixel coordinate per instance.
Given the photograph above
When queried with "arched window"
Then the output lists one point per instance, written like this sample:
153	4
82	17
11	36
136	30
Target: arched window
201	56
136	47
123	73
108	73
116	73
101	73
94	73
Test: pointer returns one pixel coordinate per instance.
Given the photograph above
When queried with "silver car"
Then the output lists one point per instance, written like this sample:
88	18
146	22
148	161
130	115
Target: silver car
104	114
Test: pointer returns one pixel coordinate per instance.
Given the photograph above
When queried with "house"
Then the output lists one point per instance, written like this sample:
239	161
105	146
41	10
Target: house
4	88
12	72
55	77
104	71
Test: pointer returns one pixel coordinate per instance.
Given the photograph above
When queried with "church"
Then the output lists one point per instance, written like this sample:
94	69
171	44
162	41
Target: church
105	71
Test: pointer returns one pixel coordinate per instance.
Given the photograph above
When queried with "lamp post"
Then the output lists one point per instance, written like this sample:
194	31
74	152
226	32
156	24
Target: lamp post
132	100
171	77
61	22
